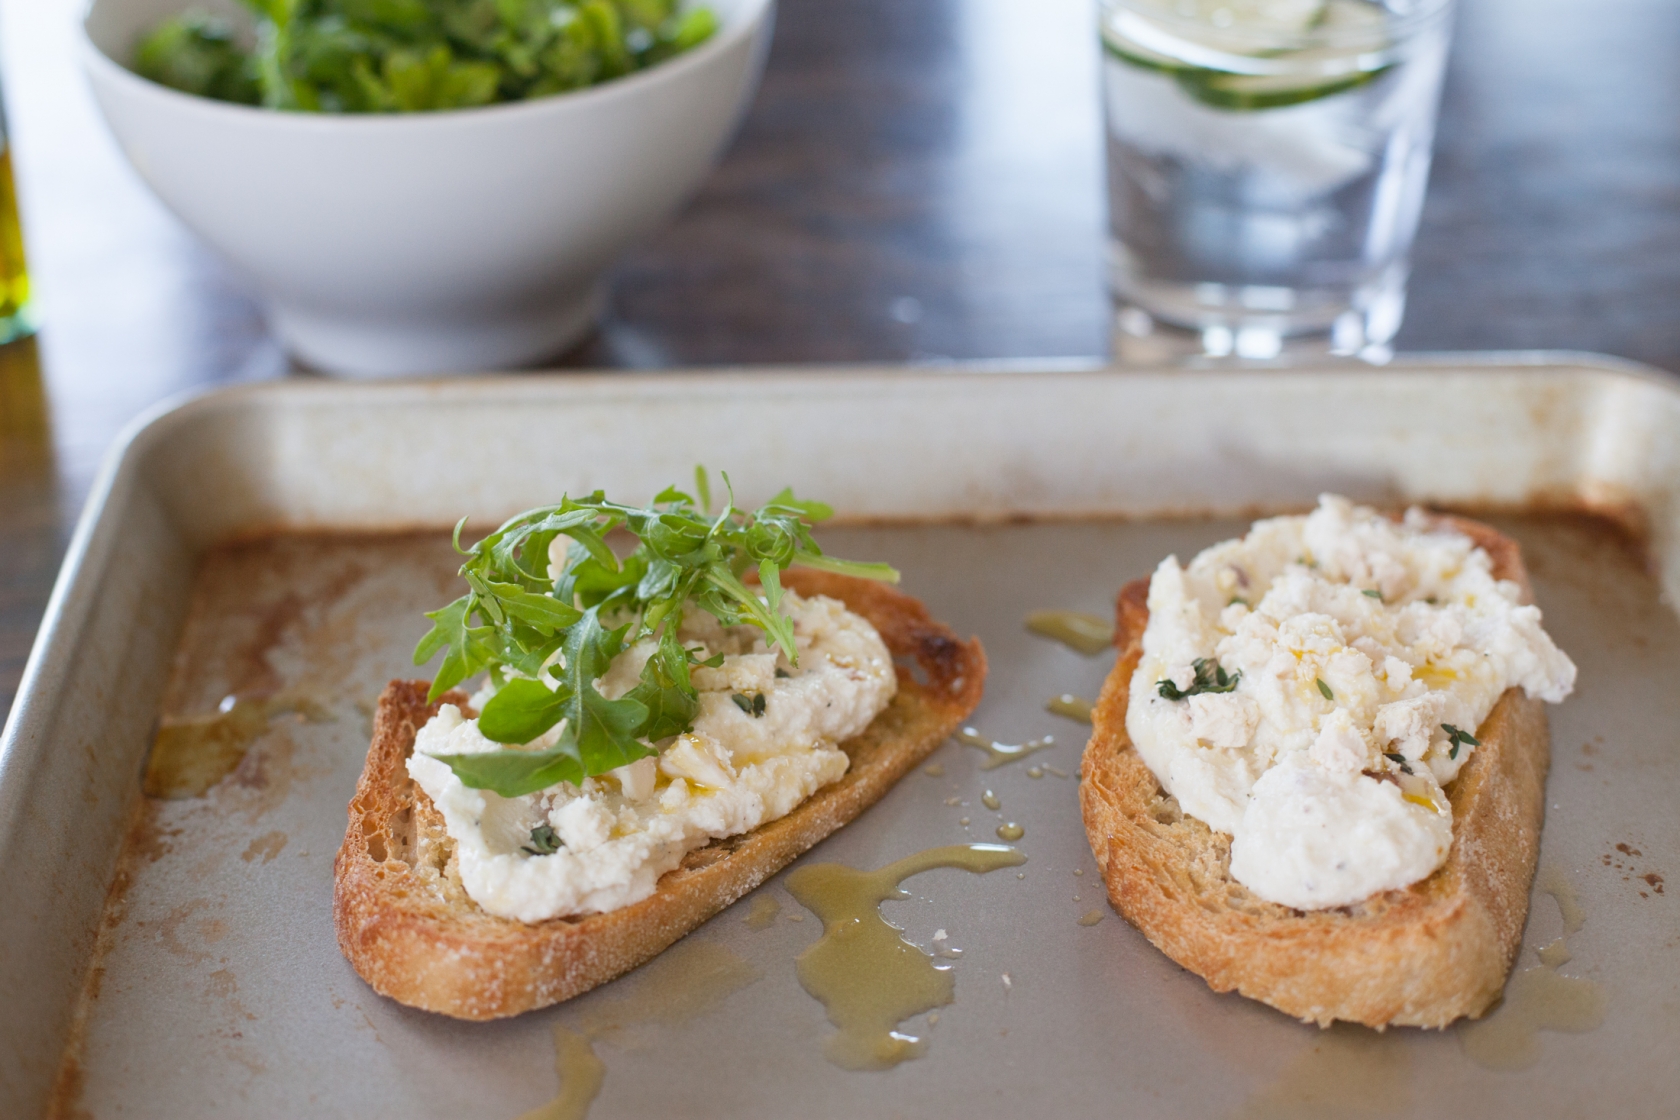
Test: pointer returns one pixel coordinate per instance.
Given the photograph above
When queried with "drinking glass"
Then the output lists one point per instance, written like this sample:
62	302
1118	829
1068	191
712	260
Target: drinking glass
1266	169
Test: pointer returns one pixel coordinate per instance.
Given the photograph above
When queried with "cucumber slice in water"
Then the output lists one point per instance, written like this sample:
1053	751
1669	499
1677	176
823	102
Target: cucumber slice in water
1248	16
1249	91
1275	69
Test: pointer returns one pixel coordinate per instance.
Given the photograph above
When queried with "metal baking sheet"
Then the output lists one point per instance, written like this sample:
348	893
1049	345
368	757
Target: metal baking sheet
176	958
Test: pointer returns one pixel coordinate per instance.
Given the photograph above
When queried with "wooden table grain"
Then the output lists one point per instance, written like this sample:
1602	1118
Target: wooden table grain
917	180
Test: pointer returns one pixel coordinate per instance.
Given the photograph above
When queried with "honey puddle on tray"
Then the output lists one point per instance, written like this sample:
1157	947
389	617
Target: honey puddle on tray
1082	633
191	755
997	754
680	984
1540	998
862	970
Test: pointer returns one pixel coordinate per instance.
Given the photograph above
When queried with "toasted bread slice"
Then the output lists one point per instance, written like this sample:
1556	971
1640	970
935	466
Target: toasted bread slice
405	921
1423	956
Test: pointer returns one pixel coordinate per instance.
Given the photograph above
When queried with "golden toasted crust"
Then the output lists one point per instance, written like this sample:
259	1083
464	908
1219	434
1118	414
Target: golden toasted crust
1422	956
407	926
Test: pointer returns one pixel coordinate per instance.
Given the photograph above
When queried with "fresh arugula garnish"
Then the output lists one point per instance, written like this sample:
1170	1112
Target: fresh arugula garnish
1458	738
1398	760
1210	677
544	841
547	636
389	56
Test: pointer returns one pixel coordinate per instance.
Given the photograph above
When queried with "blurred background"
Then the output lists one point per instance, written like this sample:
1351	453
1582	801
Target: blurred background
918	180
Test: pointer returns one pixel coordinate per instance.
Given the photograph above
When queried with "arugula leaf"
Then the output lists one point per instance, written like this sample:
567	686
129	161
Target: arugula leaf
199	54
883	572
521	710
516	773
469	646
665	691
391	56
572	623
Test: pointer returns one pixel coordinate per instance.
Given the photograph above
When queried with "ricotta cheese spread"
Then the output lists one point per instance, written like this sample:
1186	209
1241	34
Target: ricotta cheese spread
1330	672
739	766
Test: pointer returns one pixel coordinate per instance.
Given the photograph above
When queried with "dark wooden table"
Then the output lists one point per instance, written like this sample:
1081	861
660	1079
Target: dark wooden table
918	179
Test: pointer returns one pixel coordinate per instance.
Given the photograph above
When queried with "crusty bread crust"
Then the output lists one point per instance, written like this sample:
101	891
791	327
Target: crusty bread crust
408	927
1423	956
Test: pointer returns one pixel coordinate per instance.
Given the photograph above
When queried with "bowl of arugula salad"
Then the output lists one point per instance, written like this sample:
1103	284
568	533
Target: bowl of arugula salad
424	186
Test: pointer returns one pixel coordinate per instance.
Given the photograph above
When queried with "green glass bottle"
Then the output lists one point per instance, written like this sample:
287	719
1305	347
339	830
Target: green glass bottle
17	317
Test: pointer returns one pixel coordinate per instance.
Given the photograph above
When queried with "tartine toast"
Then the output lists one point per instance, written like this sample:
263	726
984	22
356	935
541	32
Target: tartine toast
1422	956
405	922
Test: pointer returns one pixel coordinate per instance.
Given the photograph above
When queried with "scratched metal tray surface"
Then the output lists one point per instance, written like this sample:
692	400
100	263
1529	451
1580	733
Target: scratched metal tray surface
277	543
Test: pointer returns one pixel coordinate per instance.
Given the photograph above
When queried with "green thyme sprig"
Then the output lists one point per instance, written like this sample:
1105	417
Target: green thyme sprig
1210	677
544	841
1458	738
545	636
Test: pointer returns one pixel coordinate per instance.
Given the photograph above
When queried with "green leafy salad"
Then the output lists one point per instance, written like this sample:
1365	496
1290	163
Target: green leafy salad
393	56
546	636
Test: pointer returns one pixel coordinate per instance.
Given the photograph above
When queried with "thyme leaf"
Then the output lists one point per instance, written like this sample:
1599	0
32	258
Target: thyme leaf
544	841
1210	677
1458	738
1398	760
1324	689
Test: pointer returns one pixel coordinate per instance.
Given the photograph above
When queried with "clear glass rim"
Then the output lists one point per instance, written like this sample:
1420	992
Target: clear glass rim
1396	28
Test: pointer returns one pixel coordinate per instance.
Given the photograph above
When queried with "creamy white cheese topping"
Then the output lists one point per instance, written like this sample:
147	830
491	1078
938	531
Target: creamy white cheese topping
733	772
1359	640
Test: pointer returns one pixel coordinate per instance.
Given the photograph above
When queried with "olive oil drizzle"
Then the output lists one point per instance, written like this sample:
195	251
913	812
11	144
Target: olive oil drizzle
1082	633
763	913
862	970
679	985
581	1076
190	755
997	754
1540	998
1071	707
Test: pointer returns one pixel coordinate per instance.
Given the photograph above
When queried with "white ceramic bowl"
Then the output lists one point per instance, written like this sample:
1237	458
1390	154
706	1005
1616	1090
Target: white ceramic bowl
428	242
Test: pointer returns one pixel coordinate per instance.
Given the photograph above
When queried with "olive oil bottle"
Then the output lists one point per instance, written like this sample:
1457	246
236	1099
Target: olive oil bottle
17	318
